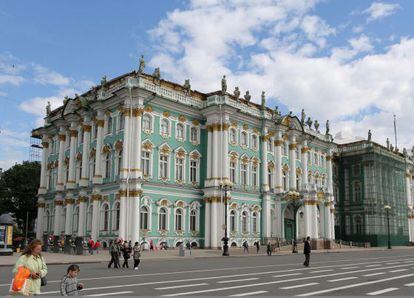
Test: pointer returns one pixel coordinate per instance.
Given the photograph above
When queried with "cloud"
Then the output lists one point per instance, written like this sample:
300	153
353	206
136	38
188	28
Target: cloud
379	10
45	76
280	46
12	144
10	70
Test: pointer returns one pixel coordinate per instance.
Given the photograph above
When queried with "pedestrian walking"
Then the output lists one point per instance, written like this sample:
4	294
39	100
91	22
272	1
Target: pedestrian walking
114	253
307	251
136	254
269	249
69	286
257	246
245	247
126	253
32	260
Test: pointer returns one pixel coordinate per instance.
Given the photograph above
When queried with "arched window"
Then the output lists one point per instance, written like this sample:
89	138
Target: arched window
108	165
109	126
194	134
254	219
233	136
119	162
194	171
233	172
178	220
165	127
244	222
180	131
244	138
105	217
147	123
164	166
232	221
254	175
121	122
89	219
179	169
117	212
254	142
144	218
193	220
75	220
357	191
244	174
162	221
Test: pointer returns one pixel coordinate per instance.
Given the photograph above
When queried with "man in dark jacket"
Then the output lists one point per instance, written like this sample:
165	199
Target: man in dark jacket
307	251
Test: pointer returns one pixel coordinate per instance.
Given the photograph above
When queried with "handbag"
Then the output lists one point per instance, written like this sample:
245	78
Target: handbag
19	283
43	281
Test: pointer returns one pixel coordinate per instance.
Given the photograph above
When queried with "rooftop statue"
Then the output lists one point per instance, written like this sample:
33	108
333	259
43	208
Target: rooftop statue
391	147
303	117
236	92
327	127
276	111
309	122
316	124
405	153
247	96
157	73
103	81
223	85
48	108
369	135
388	143
141	64
187	84
263	100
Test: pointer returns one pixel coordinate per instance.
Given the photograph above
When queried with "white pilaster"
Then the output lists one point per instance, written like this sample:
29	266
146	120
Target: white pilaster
99	142
82	216
278	161
304	152
265	178
292	163
43	169
58	216
61	158
95	216
40	215
73	132
207	224
84	181
209	151
215	164
69	215
266	218
213	224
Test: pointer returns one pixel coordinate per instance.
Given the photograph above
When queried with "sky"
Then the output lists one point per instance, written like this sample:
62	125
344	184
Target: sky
347	61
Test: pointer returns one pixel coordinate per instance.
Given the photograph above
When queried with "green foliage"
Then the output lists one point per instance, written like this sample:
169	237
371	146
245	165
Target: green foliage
18	190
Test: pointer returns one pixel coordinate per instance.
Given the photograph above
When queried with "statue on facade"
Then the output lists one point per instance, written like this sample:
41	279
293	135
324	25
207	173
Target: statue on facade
141	64
236	92
369	135
316	124
388	144
247	96
223	85
309	122
303	117
65	100
405	153
157	73
391	147
263	100
187	84
327	127
103	81
48	108
277	112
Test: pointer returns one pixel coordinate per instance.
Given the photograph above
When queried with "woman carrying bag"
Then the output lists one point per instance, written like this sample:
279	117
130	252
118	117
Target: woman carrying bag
32	262
136	253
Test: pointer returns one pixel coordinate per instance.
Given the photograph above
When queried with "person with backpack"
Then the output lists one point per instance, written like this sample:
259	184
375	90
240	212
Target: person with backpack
126	253
245	247
114	253
307	251
136	254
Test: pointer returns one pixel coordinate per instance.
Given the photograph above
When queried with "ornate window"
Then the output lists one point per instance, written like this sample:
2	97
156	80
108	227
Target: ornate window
179	169
79	168
244	138
244	222
357	191
254	142
109	126
162	220
233	172
108	165
232	221
164	166
165	127
146	162
285	149
233	136
193	220
119	163
193	171
254	175
243	174
117	212
298	182
180	132
255	220
178	220
147	123
105	217
358	224
144	218
194	135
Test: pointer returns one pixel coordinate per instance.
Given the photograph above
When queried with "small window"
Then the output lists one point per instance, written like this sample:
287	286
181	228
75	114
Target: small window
144	218
194	135
244	138
165	127
147	123
233	136
244	174
244	222
180	131
162	222
109	126
178	220
232	172
193	220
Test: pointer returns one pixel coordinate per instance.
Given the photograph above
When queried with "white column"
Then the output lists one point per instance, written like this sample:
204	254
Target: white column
265	182
329	173
278	161
213	224
135	218
69	215
304	152
58	216
61	158
43	169
266	215
71	184
84	181
209	151
215	164
40	215
292	163
82	216
279	222
95	216
408	189
207	224
99	142
225	154
311	219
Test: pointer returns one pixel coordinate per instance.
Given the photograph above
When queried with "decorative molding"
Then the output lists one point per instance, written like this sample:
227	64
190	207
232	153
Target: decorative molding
278	142
100	123
59	203
195	122
96	197
69	201
166	114
73	133
182	118
305	149
45	145
86	128
292	146
41	205
62	138
148	109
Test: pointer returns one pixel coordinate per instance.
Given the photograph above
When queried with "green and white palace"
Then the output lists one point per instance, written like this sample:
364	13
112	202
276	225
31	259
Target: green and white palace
141	158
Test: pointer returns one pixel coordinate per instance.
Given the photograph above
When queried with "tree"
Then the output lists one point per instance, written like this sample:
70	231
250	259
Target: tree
18	190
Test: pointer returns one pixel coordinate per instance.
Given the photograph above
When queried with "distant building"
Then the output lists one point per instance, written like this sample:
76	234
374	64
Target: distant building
368	176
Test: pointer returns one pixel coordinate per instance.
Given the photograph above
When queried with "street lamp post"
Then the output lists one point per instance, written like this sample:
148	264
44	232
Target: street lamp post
226	186
387	208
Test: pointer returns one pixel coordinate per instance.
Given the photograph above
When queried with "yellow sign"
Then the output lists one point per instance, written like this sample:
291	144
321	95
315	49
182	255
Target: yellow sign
9	235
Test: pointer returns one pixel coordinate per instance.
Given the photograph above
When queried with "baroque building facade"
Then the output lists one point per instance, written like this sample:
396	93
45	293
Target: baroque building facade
142	158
